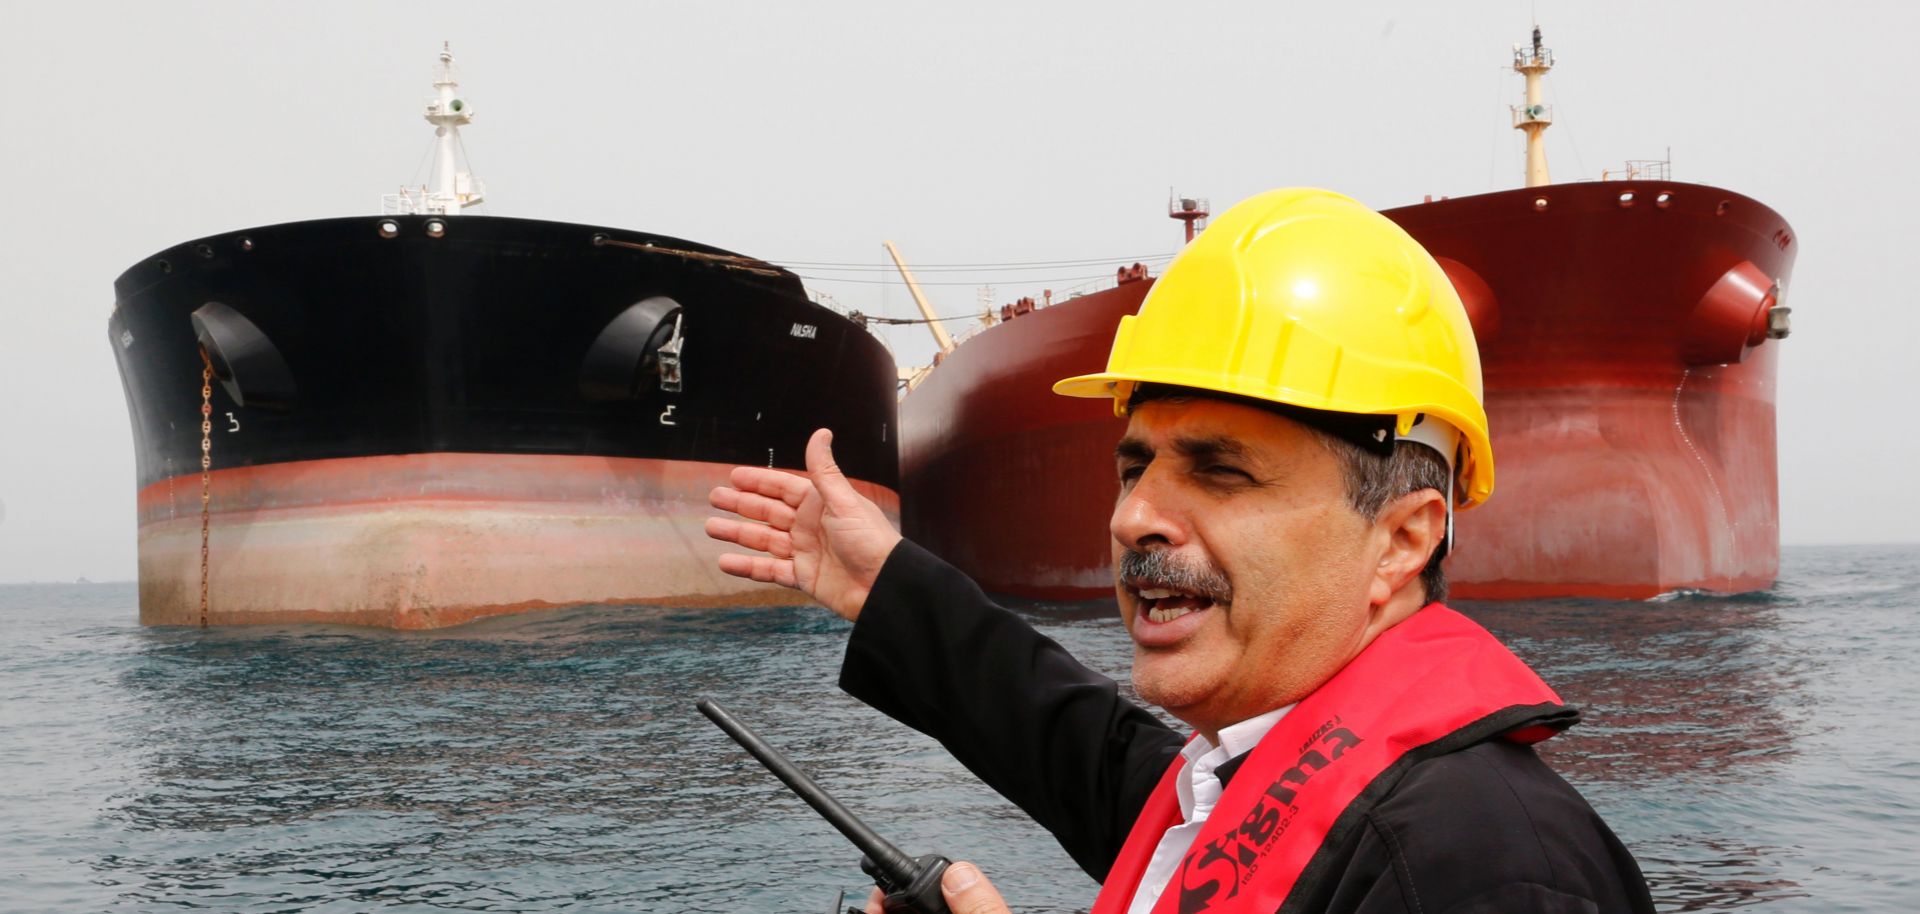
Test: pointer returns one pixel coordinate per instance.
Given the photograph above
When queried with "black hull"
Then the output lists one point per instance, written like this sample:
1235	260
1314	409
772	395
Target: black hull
473	342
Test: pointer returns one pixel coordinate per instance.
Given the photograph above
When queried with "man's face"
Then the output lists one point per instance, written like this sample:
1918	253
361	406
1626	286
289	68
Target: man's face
1242	571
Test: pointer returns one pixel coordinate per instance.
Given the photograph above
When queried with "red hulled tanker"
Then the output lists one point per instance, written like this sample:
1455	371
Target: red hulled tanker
1626	335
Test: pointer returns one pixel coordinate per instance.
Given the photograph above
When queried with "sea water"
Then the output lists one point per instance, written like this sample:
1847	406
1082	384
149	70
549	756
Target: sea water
1756	751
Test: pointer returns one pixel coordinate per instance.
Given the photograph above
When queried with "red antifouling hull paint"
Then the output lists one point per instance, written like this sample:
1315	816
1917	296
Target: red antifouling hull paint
421	541
1629	386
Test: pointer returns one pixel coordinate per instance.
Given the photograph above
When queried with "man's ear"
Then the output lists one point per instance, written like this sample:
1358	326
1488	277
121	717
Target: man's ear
1410	529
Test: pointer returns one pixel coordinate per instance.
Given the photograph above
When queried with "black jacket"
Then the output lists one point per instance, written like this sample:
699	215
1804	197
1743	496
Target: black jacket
1487	829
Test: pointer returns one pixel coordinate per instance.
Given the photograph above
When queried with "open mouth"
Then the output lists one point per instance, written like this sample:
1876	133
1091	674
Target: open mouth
1162	604
1170	592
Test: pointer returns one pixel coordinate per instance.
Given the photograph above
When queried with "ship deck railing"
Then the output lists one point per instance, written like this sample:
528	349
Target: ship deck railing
1641	170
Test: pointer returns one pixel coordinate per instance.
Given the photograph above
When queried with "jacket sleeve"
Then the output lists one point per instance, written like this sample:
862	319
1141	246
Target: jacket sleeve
1055	738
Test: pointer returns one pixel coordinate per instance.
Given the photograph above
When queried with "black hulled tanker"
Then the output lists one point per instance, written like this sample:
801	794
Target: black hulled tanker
418	420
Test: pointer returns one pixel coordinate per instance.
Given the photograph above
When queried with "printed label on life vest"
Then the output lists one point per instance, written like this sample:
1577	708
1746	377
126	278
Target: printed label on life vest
1229	862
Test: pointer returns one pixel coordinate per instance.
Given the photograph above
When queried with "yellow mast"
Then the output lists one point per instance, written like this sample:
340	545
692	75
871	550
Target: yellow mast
1535	116
933	320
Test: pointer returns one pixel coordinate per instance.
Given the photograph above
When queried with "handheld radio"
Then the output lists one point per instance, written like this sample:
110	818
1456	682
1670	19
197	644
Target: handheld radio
911	884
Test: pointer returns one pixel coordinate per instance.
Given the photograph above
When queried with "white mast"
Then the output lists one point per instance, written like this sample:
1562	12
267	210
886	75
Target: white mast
449	188
1535	116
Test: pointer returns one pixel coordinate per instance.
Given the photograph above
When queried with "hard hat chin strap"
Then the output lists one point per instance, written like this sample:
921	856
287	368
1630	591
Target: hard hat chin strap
1445	441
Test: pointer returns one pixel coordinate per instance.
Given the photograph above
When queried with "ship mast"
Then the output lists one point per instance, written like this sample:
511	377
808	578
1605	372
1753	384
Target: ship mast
1535	116
940	337
1188	210
449	188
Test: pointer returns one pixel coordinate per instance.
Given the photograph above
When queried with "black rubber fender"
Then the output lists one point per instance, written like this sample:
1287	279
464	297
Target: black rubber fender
623	362
252	371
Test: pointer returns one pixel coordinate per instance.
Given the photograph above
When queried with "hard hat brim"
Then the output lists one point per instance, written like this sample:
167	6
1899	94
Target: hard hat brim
1090	386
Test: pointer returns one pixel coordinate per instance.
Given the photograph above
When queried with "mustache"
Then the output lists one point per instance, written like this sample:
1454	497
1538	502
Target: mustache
1166	569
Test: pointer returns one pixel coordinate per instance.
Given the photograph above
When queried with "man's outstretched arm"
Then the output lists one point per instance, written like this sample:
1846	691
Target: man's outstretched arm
930	650
1054	737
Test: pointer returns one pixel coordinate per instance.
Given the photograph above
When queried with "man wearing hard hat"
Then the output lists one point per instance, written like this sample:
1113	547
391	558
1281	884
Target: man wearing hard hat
1304	414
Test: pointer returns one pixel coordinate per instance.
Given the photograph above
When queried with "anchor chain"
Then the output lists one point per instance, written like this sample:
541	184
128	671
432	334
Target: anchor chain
206	473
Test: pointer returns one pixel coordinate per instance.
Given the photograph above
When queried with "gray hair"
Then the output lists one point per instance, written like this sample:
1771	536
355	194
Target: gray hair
1373	480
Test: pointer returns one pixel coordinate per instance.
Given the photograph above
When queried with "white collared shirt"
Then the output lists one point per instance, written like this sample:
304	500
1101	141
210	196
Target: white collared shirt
1199	791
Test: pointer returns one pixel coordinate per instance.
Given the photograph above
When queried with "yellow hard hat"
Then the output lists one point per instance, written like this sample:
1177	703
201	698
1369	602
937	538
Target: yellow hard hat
1307	298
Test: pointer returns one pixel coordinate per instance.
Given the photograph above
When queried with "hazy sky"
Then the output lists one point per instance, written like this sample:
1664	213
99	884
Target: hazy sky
965	132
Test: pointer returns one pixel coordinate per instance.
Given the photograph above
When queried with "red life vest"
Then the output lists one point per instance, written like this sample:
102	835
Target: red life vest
1435	683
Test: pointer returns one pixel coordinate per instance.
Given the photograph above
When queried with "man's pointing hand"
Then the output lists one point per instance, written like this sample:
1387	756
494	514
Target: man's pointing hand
815	533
